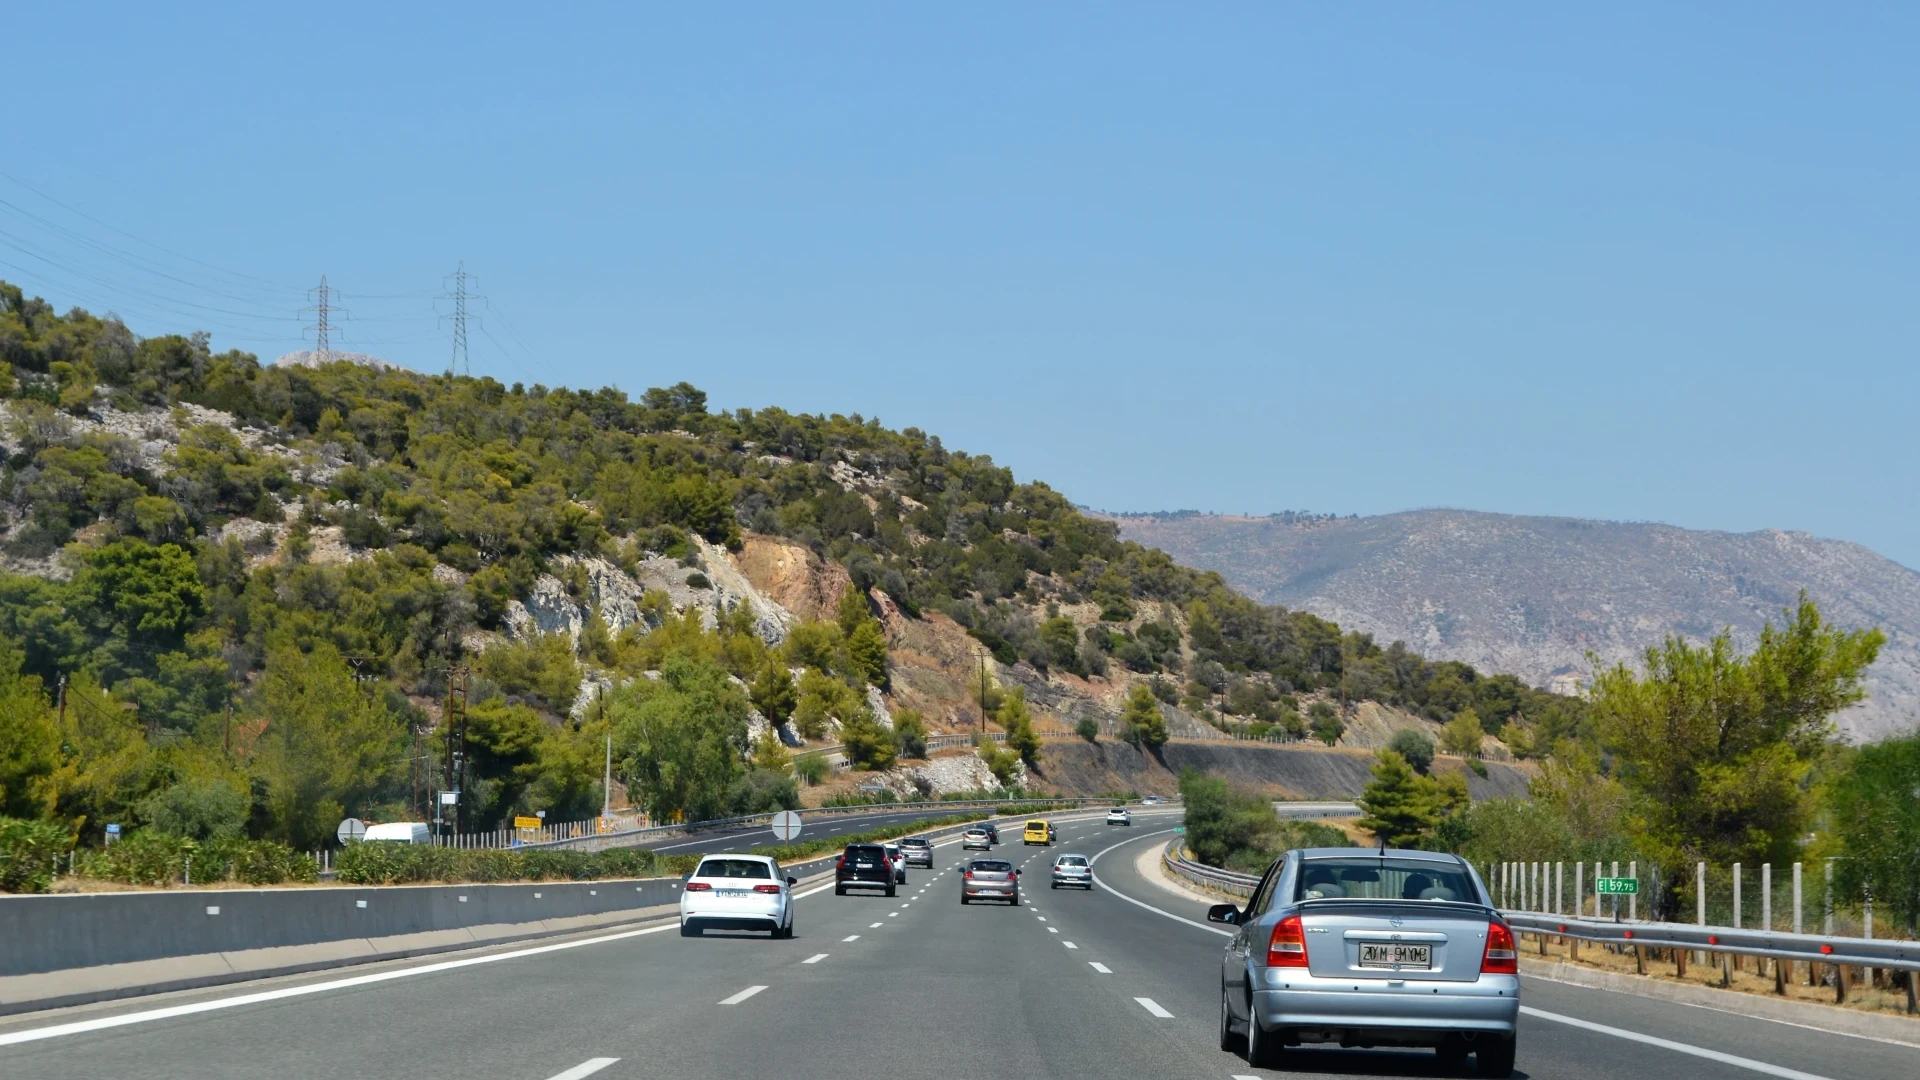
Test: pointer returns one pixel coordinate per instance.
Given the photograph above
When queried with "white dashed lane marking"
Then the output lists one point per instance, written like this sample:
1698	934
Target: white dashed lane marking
752	990
1053	929
1100	967
1069	944
815	958
1153	1007
584	1069
851	937
874	926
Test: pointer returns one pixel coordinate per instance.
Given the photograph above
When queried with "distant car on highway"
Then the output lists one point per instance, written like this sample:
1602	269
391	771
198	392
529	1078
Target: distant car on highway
737	892
976	839
898	858
918	851
1415	928
1152	800
1038	831
1119	816
863	866
989	879
1072	870
993	831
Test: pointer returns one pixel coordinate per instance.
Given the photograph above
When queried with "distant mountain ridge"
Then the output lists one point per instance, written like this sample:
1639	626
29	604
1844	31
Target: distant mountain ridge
1531	595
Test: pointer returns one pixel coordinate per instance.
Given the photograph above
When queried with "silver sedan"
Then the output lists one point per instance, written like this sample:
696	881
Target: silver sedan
1072	870
989	879
1367	947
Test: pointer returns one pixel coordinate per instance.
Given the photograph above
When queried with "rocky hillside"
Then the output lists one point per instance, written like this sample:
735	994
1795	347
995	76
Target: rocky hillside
1532	595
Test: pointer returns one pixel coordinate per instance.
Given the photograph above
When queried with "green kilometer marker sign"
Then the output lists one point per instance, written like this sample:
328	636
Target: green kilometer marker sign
1617	886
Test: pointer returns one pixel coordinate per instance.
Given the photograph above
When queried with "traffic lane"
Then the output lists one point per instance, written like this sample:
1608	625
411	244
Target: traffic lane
1547	1047
942	990
518	1016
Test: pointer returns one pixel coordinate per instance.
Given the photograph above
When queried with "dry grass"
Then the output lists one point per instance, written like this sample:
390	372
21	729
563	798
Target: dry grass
1753	976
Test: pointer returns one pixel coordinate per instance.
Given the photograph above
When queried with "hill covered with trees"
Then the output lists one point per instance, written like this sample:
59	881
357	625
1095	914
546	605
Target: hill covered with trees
236	596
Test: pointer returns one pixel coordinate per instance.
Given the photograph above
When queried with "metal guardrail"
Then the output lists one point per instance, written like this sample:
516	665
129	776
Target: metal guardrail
631	837
1807	948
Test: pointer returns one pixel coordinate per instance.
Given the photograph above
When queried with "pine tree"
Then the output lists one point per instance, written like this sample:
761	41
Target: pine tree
1400	804
1017	721
1142	722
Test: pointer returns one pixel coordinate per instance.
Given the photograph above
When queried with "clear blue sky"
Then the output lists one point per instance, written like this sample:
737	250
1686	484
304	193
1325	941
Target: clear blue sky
1637	262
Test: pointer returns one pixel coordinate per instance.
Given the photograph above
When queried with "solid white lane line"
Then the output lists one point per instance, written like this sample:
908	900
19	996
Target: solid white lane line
743	995
1150	907
56	1031
1069	944
851	937
585	1068
815	958
1678	1047
1100	967
1153	1007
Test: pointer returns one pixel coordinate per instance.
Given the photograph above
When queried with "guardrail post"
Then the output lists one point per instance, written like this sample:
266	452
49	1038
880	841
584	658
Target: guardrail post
1596	890
1579	888
1737	890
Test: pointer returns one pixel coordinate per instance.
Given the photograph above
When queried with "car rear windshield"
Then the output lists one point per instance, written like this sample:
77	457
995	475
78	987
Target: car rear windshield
866	851
1383	879
734	868
1036	824
991	866
1072	860
914	841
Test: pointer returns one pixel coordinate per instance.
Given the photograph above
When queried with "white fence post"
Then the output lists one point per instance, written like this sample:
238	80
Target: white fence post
1559	887
1766	896
1616	896
1828	927
1633	898
1736	896
1596	890
1579	889
1700	893
1796	898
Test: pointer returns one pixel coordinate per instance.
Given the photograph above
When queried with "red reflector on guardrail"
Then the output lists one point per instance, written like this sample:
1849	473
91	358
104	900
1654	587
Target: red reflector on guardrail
1629	933
1828	949
1563	928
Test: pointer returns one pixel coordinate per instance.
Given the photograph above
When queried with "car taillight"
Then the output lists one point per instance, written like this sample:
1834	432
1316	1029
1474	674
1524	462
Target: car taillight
1501	957
968	875
1288	945
699	886
840	863
768	889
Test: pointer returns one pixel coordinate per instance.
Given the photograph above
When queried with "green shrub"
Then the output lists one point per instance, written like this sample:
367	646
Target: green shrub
151	857
30	853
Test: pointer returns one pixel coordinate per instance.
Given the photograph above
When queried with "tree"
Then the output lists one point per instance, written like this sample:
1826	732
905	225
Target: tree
1325	722
1003	763
1399	803
1415	747
910	733
1463	734
867	652
29	741
1141	721
1717	746
1087	729
869	745
772	691
770	755
1875	805
1017	721
330	747
825	701
503	758
679	739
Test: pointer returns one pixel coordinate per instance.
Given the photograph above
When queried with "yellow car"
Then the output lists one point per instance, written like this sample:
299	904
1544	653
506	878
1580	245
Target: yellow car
1038	832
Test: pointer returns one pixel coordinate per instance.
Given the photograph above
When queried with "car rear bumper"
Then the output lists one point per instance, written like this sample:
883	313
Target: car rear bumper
1073	879
747	914
1386	1011
731	921
974	892
865	883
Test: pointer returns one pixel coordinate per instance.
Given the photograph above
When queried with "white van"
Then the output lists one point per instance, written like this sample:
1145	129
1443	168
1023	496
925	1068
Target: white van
399	832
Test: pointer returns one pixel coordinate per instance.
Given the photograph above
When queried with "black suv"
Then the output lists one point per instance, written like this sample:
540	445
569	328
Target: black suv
917	850
863	866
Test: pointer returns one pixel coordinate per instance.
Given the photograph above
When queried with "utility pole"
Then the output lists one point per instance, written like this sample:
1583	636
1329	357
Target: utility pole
63	708
323	308
459	293
983	693
454	770
606	785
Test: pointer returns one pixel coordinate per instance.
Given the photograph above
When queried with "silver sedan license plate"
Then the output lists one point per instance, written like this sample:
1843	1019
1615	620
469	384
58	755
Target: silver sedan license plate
1395	955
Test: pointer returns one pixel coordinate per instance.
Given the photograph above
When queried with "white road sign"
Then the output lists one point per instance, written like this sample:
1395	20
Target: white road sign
786	825
351	829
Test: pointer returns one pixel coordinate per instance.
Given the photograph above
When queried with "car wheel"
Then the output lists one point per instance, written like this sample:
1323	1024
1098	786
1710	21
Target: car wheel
1453	1057
1263	1047
1495	1058
1054	885
963	900
889	890
1228	1040
839	890
689	930
1015	902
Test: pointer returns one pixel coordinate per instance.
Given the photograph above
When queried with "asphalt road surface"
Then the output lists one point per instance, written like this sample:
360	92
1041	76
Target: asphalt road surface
1107	983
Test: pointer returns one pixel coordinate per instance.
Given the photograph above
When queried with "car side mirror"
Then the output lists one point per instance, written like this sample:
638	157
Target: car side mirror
686	877
793	881
1226	913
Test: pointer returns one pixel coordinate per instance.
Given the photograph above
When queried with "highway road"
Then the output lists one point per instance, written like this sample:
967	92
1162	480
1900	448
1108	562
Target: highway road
1117	982
751	837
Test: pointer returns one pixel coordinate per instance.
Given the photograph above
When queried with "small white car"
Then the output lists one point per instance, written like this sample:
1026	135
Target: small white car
1119	816
737	892
899	859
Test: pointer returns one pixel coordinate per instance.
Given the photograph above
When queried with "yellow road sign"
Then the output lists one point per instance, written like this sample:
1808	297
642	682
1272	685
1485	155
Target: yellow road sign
526	822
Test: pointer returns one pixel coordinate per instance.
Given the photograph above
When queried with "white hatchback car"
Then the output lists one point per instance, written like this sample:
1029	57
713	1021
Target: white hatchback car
1119	816
737	892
